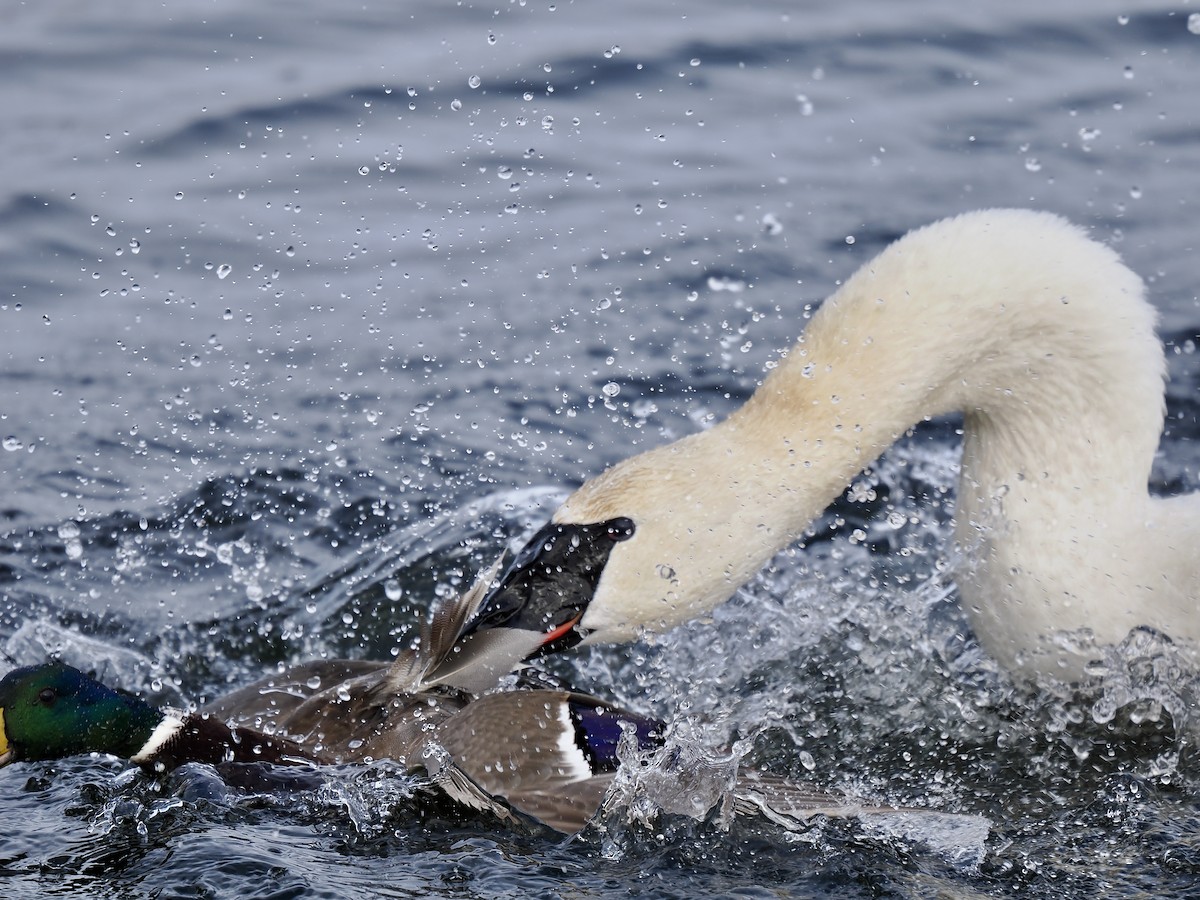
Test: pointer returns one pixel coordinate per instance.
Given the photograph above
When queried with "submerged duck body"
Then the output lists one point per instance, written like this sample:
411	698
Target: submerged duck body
545	753
1041	338
548	754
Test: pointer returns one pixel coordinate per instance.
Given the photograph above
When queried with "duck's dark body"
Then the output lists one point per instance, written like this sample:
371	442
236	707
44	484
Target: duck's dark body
548	753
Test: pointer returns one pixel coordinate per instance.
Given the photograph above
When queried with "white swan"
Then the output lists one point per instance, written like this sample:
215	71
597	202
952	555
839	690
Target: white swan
1041	337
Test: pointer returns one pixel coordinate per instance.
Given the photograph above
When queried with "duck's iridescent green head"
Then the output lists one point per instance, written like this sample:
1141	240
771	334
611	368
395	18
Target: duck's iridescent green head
50	711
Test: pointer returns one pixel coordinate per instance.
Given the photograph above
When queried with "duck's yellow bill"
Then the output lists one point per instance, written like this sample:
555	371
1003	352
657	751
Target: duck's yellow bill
5	752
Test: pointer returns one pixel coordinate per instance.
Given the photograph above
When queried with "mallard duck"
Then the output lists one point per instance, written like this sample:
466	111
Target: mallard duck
1042	339
547	753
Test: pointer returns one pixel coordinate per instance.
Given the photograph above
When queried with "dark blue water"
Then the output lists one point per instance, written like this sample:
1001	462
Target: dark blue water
306	310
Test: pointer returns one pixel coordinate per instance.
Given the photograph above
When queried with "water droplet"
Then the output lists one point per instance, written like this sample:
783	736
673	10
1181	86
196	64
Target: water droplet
179	195
665	572
456	104
223	270
12	444
1194	23
1032	164
474	81
314	682
726	283
849	239
364	170
643	408
391	589
611	389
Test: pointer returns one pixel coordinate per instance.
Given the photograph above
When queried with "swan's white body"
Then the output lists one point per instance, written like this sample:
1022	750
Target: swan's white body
1043	340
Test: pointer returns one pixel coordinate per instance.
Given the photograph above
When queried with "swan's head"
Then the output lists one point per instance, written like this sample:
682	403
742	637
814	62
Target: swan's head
545	592
653	542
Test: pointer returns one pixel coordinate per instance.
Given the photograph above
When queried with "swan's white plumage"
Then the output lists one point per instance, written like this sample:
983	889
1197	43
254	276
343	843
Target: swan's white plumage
1043	339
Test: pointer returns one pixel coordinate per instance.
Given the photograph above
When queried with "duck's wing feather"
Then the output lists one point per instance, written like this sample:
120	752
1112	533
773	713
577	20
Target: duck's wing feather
549	754
567	810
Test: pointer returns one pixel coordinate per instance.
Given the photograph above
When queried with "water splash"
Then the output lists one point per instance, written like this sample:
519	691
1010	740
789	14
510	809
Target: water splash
1145	677
684	777
37	640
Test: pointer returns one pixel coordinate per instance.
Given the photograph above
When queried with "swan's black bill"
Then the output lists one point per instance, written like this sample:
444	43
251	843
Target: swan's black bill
547	588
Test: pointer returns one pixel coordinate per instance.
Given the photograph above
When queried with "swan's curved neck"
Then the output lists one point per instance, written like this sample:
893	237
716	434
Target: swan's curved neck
1039	336
1059	376
1033	364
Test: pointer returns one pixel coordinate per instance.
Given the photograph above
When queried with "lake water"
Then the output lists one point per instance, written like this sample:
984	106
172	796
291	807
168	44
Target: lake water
307	309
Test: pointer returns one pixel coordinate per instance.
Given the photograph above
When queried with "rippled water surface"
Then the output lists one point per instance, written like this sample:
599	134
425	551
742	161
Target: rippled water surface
307	309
